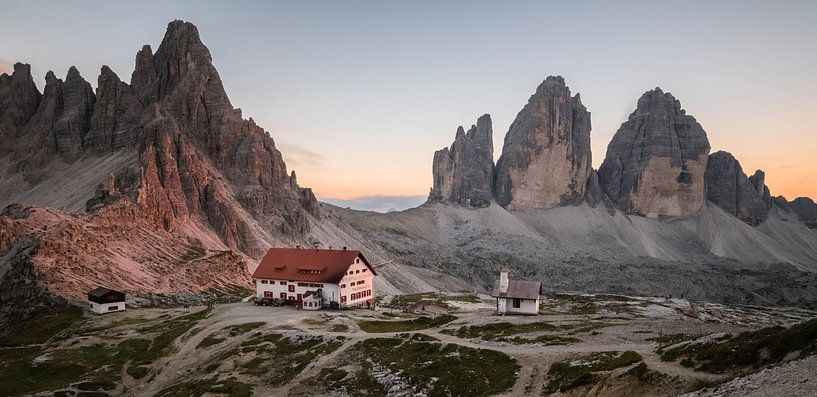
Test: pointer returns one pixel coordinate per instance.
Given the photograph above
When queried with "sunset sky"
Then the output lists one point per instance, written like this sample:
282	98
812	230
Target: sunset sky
358	95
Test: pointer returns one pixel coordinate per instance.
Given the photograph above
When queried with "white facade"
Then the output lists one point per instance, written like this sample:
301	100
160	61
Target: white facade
356	288
517	306
102	308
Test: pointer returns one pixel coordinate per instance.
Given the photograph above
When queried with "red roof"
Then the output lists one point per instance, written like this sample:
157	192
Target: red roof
304	264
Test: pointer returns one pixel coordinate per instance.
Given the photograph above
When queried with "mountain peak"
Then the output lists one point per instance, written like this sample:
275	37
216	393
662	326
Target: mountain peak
656	160
546	158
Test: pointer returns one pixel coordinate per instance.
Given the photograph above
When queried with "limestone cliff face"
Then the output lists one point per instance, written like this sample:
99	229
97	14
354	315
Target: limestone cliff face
728	187
546	158
464	173
199	159
19	99
655	162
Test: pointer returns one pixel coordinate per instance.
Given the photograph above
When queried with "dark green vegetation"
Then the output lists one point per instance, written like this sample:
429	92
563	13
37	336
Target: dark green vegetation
373	326
244	328
749	349
210	340
194	388
43	327
88	366
277	358
435	368
566	375
430	298
672	339
234	330
508	332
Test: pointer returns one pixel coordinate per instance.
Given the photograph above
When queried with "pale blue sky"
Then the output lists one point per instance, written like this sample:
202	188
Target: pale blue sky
359	94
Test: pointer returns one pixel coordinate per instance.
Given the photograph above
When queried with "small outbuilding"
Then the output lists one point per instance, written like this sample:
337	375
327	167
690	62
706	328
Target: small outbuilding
516	296
104	300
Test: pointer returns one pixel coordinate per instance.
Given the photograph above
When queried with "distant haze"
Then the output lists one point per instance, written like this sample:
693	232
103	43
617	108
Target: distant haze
358	95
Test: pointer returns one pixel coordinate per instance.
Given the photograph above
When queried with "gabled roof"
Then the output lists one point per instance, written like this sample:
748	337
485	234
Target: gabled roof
519	289
304	264
100	292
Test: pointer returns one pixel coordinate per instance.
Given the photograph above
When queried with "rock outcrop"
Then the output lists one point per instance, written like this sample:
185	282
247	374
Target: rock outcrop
199	160
758	180
806	210
546	158
655	162
19	99
728	187
464	173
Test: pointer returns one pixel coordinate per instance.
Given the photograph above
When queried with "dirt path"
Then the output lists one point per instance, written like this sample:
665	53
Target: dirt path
535	360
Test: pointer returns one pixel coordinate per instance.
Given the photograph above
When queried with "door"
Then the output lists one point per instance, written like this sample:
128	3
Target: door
517	303
300	297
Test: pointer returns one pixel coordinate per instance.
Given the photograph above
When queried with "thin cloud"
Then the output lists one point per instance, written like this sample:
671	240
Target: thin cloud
299	156
377	203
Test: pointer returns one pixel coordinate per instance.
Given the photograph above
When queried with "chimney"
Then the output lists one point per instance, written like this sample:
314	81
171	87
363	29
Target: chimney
503	280
344	248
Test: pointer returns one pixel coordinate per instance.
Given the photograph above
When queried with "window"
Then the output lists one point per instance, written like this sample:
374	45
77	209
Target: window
342	299
303	284
283	295
113	308
357	271
517	303
357	260
365	270
343	285
267	294
291	288
91	305
282	282
263	281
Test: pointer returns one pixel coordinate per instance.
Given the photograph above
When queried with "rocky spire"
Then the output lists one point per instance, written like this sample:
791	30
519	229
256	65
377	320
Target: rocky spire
19	98
655	162
546	157
463	174
115	120
729	188
758	181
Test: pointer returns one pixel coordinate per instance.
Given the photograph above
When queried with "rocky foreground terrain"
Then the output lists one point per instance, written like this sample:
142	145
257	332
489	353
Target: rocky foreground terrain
580	345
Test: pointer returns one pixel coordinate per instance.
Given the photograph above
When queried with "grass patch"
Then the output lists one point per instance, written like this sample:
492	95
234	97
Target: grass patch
431	298
42	327
438	369
231	387
373	326
672	339
278	359
244	328
590	304
339	328
210	340
507	332
758	348
21	374
566	375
